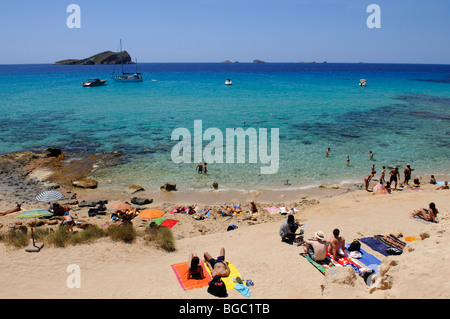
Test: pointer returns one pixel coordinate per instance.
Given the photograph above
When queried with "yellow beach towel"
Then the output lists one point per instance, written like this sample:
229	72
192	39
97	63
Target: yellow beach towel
229	283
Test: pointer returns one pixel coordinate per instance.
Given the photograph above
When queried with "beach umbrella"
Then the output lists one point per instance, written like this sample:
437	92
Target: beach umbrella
151	214
49	196
34	213
120	206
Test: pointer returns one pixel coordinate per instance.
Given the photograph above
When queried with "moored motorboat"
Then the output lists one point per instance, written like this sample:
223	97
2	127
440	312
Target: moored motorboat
94	82
228	82
363	82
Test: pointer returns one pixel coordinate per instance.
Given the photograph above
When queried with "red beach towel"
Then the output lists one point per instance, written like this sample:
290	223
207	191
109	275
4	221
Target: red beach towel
169	223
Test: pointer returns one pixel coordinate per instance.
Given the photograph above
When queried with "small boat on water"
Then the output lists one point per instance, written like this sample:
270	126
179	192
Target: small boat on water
228	82
94	82
362	82
126	76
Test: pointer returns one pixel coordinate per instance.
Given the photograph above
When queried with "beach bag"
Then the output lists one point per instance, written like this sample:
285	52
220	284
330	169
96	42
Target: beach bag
354	246
216	287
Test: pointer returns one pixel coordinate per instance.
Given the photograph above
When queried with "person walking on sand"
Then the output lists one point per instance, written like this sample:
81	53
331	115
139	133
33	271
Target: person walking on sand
407	173
218	266
368	179
199	168
394	174
68	221
336	245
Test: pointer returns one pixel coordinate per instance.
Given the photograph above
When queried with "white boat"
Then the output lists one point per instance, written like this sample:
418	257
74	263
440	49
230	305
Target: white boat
363	82
126	76
228	82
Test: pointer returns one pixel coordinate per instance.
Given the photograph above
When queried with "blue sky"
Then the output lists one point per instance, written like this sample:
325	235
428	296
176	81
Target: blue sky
413	31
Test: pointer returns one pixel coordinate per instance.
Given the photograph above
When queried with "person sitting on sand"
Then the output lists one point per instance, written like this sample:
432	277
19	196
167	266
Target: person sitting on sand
128	216
190	210
388	187
253	209
379	189
394	174
57	209
14	210
429	214
218	266
367	179
433	180
337	244
68	221
445	186
288	230
195	269
237	209
316	247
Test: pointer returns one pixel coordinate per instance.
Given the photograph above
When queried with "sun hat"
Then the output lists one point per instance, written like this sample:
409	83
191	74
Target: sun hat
319	235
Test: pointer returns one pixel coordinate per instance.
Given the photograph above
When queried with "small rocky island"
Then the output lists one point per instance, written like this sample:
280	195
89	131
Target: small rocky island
107	57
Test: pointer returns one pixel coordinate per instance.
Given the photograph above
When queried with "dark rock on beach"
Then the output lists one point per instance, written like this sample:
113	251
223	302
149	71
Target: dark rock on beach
168	187
141	201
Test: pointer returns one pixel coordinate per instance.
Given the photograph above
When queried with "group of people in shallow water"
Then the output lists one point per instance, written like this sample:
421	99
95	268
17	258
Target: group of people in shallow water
384	187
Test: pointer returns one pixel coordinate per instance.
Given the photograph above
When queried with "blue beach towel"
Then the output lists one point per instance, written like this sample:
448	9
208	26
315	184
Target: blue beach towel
368	259
375	244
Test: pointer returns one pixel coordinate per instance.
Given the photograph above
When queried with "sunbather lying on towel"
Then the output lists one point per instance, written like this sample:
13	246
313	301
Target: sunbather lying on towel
427	214
218	266
14	210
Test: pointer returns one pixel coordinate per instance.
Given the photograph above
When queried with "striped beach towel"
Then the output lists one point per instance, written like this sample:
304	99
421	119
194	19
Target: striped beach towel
321	266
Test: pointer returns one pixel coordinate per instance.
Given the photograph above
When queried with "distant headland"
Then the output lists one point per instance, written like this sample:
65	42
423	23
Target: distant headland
107	57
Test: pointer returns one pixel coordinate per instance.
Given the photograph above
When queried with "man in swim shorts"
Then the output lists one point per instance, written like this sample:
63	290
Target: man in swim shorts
218	266
394	173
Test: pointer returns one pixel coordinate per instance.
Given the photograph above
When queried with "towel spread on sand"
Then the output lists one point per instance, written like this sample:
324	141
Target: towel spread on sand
391	241
321	266
229	283
181	272
369	260
169	223
272	210
158	221
420	219
375	245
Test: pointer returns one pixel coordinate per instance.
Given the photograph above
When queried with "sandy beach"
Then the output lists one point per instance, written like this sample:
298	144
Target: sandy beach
119	270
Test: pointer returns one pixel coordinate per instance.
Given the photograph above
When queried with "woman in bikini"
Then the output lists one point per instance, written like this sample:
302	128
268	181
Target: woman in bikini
195	269
427	214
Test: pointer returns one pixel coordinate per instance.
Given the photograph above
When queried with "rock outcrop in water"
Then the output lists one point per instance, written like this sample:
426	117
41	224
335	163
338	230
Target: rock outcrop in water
106	57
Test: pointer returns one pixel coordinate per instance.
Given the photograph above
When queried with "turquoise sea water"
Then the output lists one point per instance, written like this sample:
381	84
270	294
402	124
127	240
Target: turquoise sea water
403	116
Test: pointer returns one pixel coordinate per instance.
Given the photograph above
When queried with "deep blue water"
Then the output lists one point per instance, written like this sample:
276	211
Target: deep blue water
403	116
